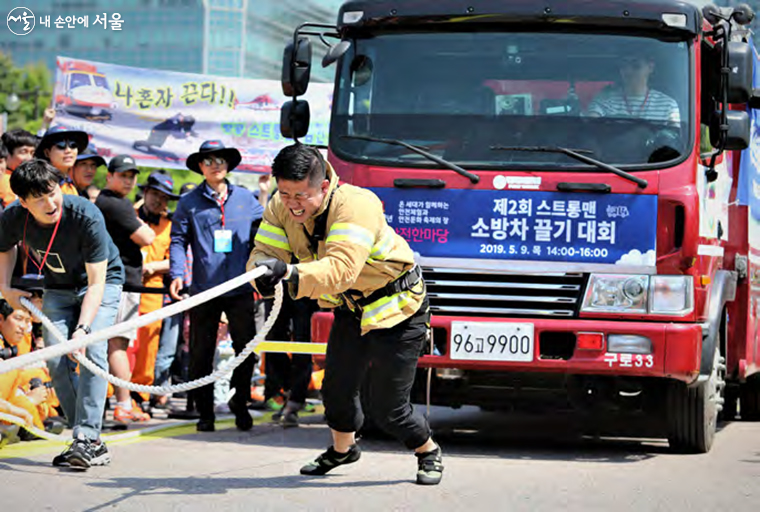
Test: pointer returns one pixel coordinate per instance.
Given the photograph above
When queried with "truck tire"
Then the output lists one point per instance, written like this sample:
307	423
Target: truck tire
749	400
692	414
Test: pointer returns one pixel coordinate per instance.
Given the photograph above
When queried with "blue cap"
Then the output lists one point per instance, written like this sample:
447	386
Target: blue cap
91	154
161	182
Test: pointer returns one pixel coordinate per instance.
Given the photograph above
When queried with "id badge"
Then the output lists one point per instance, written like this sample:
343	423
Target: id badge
222	240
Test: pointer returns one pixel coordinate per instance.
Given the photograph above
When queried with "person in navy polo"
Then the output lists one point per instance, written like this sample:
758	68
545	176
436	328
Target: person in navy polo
218	221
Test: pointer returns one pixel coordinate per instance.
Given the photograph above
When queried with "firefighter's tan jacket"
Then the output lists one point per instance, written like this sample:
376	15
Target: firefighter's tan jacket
360	252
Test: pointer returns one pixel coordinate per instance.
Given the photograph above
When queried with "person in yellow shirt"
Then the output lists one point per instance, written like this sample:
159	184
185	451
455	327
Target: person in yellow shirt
60	147
158	191
17	388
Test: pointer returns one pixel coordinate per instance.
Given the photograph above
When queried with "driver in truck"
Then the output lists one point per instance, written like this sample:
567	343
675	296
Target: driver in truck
633	98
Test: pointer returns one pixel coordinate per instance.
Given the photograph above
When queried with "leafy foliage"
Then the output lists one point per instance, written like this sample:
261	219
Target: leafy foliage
32	83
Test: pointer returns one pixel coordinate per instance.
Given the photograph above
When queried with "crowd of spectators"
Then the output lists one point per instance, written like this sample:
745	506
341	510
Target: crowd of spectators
171	245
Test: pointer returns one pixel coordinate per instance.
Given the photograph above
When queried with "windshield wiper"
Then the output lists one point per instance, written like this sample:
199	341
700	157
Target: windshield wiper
577	154
416	149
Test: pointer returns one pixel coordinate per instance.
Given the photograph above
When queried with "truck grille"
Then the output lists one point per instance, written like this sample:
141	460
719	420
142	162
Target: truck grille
464	292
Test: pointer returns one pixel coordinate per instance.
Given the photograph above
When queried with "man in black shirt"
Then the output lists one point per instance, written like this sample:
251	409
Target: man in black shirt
129	234
82	275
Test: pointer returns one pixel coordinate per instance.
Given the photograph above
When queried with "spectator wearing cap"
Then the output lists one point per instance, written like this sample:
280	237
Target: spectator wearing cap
130	234
20	145
158	190
217	221
84	169
61	146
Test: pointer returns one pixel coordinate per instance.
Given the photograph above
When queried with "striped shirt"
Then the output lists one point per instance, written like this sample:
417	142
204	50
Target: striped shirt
653	106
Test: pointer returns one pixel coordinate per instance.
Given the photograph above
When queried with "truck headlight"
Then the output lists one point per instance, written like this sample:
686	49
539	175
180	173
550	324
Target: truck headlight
671	295
616	293
657	295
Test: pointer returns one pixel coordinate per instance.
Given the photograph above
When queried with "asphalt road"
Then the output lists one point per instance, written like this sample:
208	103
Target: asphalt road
493	462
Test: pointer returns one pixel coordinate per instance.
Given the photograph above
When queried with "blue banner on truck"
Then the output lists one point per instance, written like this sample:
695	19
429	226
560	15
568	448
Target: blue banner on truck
525	225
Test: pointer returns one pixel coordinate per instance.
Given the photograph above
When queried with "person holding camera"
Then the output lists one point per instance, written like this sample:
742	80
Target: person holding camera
33	384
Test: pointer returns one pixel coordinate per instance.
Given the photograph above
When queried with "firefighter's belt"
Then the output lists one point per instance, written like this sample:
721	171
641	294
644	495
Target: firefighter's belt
405	282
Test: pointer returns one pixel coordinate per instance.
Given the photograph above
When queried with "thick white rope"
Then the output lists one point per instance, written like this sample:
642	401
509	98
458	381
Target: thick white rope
68	346
174	388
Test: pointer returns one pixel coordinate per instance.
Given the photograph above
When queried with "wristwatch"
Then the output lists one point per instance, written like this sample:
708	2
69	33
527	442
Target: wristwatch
83	327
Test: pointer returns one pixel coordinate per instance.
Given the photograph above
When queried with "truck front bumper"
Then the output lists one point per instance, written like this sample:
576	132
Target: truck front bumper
675	348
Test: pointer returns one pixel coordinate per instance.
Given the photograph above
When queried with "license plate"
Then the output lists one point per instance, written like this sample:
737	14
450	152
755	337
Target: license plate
491	341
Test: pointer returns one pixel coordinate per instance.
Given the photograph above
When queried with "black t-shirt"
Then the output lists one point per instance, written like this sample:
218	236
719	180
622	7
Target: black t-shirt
122	222
81	238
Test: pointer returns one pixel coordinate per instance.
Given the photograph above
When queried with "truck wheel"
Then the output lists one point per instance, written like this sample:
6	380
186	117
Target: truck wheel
749	400
692	414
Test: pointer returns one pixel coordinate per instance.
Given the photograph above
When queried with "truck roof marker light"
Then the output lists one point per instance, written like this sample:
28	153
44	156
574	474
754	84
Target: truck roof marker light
629	344
350	17
674	20
589	341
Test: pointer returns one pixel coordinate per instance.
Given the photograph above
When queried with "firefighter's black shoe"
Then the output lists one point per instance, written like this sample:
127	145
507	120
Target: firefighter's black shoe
429	467
330	460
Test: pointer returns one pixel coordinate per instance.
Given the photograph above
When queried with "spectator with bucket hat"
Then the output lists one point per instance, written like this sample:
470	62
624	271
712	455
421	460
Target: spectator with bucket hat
218	221
60	147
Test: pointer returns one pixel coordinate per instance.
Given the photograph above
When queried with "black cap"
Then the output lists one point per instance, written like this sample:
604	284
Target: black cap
122	163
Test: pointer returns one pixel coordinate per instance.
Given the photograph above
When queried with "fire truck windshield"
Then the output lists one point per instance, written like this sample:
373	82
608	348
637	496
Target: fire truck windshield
626	99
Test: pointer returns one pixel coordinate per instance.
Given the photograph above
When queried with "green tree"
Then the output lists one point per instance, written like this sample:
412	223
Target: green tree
31	83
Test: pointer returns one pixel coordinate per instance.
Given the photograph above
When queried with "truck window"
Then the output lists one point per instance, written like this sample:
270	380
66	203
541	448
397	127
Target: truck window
625	98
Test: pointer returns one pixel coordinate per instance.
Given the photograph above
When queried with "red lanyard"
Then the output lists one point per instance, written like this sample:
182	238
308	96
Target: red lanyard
220	201
50	244
641	107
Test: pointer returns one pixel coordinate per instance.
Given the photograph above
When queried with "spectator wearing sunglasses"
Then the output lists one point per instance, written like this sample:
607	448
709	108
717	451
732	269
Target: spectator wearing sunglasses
218	221
61	147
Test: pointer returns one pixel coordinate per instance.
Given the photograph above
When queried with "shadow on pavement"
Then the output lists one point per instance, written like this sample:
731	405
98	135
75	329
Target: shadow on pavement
473	433
211	486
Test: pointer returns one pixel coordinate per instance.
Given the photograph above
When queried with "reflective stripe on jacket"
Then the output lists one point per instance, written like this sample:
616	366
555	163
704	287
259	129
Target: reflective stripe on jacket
360	253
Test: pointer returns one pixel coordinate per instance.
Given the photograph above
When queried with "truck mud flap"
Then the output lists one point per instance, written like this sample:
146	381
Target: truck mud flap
723	290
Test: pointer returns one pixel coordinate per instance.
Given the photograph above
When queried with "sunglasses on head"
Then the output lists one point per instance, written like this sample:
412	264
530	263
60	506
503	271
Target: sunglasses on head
214	160
63	144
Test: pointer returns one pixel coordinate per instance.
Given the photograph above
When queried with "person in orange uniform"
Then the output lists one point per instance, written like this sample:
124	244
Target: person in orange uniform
6	194
60	147
154	211
20	146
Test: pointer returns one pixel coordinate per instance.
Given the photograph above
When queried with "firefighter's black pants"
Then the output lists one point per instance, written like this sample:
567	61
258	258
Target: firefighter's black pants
393	354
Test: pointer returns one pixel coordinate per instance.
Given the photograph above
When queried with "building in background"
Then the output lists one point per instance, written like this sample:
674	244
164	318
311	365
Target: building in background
221	37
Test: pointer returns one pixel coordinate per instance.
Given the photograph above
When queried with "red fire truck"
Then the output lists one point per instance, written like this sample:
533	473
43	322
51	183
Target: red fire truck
574	178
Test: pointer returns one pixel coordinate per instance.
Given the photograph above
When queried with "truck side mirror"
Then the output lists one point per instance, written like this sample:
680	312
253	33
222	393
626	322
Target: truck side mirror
294	119
296	68
740	60
335	52
737	134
